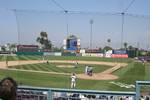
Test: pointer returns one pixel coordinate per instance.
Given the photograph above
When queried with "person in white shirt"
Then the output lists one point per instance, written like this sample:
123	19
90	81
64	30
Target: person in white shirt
73	80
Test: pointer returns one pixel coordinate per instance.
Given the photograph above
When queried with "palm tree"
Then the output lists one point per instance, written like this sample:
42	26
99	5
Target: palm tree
130	47
106	48
108	40
125	45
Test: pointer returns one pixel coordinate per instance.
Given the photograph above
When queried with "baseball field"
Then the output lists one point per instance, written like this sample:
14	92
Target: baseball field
108	73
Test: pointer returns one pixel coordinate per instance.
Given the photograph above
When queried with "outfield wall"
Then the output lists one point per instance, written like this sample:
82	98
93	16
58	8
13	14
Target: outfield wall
105	55
93	54
52	54
29	53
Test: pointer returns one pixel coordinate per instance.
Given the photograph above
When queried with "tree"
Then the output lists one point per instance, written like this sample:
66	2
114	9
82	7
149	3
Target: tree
8	46
130	47
56	49
108	40
3	48
13	47
125	45
43	40
148	53
106	48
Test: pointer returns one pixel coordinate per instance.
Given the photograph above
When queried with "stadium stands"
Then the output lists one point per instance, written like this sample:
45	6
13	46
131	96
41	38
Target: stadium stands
30	95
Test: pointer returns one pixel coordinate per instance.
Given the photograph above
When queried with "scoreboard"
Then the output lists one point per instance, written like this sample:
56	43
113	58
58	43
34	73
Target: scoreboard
72	44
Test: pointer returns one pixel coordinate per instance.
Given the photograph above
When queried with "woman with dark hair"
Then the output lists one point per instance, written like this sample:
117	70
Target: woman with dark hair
8	89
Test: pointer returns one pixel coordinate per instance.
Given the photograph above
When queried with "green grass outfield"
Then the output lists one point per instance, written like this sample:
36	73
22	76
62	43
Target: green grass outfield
13	58
53	68
128	75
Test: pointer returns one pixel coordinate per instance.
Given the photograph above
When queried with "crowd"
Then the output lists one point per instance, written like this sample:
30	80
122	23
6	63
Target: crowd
80	96
31	95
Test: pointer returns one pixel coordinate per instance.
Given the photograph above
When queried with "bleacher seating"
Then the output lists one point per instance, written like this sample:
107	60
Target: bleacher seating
30	95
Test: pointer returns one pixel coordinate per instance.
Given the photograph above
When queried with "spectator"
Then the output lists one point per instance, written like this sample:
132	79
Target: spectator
142	98
8	89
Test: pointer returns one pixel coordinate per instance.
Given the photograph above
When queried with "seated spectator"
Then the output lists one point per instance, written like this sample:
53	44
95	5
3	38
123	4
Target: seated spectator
8	89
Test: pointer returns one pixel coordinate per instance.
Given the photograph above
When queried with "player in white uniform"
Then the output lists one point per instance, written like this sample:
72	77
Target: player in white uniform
73	80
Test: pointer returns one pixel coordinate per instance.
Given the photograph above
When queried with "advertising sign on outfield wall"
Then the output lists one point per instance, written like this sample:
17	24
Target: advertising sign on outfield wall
52	53
119	52
119	55
57	53
93	54
108	55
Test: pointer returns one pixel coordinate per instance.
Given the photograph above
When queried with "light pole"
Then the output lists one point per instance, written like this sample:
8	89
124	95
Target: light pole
122	29
91	22
66	14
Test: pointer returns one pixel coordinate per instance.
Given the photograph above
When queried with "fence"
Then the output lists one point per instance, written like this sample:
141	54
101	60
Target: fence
37	93
139	84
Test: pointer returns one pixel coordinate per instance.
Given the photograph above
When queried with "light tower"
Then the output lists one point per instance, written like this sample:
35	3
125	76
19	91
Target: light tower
91	33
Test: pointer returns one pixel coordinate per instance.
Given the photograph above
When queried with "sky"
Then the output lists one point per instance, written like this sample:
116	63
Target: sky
30	17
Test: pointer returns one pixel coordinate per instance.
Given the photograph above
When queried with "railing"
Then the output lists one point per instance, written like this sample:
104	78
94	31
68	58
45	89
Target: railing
38	93
139	84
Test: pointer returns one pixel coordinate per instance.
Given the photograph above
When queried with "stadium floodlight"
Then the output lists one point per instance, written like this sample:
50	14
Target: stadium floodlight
122	30
91	33
66	15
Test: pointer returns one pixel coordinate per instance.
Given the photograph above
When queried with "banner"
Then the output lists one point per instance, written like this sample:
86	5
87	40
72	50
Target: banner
93	54
119	52
119	55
